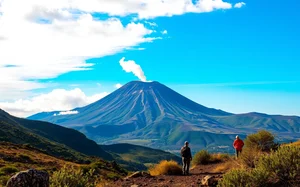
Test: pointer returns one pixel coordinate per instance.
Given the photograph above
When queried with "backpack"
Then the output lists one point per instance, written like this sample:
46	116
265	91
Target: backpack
184	151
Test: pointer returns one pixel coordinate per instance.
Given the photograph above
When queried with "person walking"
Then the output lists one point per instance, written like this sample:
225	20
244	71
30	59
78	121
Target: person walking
186	158
238	146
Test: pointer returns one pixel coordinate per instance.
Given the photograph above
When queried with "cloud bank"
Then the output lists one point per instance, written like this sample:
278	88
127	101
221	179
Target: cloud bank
58	99
131	67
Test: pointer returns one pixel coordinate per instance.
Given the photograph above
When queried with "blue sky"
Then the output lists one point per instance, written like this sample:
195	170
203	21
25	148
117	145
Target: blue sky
250	56
239	60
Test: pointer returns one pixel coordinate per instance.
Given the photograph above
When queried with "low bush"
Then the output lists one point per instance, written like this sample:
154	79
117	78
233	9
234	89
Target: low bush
283	164
236	178
245	178
250	157
3	180
166	168
72	177
7	170
202	157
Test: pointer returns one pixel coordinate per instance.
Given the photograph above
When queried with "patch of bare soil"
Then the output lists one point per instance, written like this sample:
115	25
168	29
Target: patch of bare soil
193	180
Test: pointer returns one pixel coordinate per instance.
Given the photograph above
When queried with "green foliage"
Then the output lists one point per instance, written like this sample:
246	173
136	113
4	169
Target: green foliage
259	178
245	178
249	157
202	157
236	178
279	168
283	164
262	140
3	180
72	177
112	176
7	170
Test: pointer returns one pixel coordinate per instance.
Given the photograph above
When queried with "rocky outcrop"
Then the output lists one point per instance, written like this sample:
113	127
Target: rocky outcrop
29	178
209	181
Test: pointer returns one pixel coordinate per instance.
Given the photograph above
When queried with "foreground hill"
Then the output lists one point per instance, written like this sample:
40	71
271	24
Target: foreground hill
134	157
15	157
151	114
53	139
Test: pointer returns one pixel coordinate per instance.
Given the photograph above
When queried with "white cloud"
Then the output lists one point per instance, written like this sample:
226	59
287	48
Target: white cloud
239	5
164	32
118	85
66	113
58	99
150	9
131	67
42	39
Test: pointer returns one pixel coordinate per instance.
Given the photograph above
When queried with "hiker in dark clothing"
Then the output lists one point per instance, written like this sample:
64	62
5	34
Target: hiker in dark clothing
186	158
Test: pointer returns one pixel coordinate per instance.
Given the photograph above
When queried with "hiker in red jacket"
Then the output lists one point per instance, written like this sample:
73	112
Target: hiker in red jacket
238	146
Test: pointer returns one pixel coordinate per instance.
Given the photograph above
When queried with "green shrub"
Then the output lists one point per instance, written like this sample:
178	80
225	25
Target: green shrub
283	164
3	180
262	140
24	157
202	157
7	170
250	157
236	178
245	178
71	177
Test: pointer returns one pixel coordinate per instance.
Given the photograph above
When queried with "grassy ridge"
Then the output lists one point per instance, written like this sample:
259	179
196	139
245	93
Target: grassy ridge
15	157
53	139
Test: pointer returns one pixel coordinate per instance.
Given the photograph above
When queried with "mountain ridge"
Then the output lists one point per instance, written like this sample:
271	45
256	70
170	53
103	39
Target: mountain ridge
150	113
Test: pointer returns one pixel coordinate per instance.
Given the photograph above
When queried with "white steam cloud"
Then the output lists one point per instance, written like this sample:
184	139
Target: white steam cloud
131	67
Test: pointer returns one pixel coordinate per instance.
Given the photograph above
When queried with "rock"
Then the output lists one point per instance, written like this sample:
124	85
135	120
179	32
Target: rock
209	181
138	174
29	178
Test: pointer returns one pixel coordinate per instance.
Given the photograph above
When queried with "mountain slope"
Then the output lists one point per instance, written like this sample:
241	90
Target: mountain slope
54	139
149	113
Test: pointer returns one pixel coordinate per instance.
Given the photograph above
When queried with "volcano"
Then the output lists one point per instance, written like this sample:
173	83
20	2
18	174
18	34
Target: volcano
150	113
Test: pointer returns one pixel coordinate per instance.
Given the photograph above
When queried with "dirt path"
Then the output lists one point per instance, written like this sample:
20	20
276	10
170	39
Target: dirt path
197	174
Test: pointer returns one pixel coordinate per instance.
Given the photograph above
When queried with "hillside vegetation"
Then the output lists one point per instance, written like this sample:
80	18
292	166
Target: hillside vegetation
14	158
53	139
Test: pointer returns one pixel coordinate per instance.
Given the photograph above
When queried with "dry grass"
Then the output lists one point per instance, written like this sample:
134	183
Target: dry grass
228	165
166	168
293	144
220	157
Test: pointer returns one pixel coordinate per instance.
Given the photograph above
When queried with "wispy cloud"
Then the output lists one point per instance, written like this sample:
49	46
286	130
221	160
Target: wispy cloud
239	5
